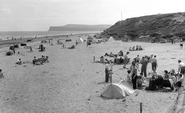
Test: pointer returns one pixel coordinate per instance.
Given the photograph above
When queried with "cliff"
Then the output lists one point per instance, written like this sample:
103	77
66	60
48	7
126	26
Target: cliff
160	25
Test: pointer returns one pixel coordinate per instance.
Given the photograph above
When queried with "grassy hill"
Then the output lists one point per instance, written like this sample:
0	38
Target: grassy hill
160	25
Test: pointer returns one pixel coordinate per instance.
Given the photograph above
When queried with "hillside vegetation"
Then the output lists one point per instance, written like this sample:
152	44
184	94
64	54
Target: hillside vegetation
160	25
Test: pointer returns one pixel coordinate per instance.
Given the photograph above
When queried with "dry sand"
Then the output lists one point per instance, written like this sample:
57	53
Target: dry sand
72	83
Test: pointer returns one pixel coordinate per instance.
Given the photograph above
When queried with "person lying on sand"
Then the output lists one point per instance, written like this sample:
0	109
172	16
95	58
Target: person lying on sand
72	47
110	54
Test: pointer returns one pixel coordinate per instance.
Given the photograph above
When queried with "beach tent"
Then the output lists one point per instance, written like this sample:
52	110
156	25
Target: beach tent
111	39
81	40
116	91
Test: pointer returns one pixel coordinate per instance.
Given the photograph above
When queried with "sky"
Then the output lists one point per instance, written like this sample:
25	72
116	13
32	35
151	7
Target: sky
39	15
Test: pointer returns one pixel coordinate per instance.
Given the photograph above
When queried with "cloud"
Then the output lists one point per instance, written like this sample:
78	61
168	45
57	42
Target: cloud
5	11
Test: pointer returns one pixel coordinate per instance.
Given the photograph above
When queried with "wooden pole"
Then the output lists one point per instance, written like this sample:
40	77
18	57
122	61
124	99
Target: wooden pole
141	107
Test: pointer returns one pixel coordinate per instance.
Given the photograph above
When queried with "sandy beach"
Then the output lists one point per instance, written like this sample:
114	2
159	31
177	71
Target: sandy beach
72	83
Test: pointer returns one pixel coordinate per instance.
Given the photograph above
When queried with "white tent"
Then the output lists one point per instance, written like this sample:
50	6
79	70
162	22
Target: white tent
80	40
111	39
116	91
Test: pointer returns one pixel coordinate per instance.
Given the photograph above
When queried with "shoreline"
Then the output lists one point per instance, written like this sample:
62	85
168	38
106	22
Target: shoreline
5	43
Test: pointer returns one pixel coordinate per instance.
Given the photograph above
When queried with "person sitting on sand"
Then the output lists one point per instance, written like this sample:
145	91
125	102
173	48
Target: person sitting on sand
178	83
34	60
111	54
12	48
130	49
167	82
120	53
102	60
19	62
41	47
140	48
121	60
139	82
137	48
133	48
1	74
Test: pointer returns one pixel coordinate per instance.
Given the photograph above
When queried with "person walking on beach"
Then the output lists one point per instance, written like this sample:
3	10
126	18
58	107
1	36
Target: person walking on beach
154	63
1	74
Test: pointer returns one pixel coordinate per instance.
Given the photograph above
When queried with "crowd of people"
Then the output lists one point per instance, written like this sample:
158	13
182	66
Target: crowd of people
169	79
137	74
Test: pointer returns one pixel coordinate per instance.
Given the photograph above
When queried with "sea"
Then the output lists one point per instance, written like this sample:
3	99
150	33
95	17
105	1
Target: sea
8	35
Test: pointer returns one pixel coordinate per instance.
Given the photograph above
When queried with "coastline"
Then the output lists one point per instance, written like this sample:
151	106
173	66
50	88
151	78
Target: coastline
5	43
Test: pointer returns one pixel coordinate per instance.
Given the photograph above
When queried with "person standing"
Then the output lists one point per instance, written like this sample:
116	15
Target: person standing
154	63
181	67
144	64
110	71
133	70
106	72
126	60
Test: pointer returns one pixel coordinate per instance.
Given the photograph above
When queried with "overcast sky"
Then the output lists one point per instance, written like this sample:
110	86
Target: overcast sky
38	15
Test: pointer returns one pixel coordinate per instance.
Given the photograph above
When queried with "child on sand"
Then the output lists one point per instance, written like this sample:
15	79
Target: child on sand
129	78
19	62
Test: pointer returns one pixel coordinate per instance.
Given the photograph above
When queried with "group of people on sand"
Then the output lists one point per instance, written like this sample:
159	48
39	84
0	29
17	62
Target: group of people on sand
119	58
41	48
40	61
108	72
136	48
120	53
169	79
